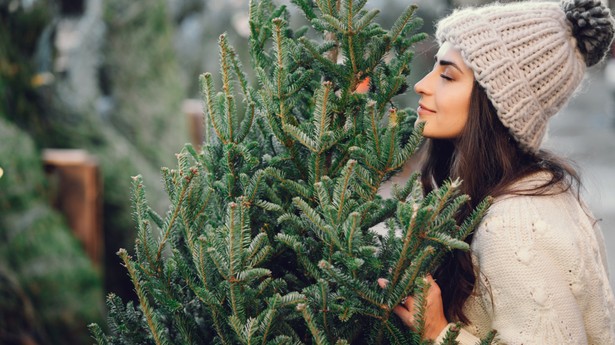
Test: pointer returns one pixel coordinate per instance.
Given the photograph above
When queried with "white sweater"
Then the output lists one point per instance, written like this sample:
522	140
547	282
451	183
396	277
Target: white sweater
542	274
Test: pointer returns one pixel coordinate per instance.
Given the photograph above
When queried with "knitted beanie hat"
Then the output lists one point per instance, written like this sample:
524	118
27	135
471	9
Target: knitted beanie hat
529	56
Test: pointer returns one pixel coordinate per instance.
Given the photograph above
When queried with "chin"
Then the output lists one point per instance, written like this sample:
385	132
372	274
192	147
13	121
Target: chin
419	121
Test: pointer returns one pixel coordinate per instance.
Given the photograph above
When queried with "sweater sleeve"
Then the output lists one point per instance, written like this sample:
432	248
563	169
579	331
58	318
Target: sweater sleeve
539	277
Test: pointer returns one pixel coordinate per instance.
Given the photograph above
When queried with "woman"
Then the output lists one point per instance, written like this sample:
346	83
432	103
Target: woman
536	271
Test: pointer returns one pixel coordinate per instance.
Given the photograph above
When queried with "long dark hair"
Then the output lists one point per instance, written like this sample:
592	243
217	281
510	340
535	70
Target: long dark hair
488	160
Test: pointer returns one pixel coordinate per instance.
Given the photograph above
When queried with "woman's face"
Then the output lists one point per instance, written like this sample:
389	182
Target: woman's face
445	95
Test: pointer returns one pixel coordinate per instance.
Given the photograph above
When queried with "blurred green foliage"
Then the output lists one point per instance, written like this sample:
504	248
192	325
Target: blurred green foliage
49	290
41	264
146	79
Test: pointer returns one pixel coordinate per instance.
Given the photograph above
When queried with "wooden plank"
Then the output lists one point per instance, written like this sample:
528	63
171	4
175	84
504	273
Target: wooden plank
77	192
193	109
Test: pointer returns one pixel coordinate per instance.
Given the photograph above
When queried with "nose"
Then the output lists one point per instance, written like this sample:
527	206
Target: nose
421	86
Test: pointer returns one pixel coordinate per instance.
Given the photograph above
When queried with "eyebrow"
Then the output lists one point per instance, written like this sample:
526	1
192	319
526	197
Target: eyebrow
448	63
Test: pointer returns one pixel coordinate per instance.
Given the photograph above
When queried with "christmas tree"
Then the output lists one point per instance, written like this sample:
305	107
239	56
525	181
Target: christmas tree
269	235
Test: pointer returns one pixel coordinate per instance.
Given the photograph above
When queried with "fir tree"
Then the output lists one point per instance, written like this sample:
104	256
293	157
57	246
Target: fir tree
268	240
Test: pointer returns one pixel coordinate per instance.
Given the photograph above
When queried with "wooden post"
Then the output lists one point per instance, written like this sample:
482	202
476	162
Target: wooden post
193	108
77	193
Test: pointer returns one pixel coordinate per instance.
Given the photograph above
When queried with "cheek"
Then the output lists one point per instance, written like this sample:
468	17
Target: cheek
458	104
458	100
452	115
453	112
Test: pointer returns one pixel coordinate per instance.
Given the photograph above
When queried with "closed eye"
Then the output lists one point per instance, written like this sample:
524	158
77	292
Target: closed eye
444	76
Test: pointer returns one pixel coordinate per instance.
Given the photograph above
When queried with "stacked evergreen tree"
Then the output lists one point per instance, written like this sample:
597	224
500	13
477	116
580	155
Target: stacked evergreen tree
268	236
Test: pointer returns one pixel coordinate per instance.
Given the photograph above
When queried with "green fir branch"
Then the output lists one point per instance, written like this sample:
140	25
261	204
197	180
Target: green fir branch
489	338
357	5
324	307
450	337
377	51
201	263
237	326
167	180
475	218
342	188
306	8
252	274
420	305
266	319
171	222
98	334
301	137
207	92
375	135
445	240
300	250
280	49
370	161
290	218
324	198
409	241
291	299
406	283
334	24
410	148
257	245
148	312
367	19
323	230
448	190
353	230
319	338
237	69
327	6
220	262
227	87
402	22
322	114
252	189
268	206
249	330
412	183
248	121
329	67
304	78
358	287
144	245
394	334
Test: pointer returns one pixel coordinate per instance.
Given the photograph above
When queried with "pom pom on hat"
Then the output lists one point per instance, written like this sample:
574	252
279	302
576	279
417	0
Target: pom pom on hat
592	26
529	57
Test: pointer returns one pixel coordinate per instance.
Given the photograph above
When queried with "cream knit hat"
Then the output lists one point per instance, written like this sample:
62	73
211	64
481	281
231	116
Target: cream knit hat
529	56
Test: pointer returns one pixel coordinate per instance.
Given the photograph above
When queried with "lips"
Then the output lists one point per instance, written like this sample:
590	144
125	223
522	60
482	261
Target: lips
424	110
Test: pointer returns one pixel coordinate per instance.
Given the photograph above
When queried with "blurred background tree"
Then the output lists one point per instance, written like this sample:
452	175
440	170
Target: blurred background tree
62	85
48	286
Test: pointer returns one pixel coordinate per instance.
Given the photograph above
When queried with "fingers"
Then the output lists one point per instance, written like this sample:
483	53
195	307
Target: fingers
406	315
434	314
408	303
434	288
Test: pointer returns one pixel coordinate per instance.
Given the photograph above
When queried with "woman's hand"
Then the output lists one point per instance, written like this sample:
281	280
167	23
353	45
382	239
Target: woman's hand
435	321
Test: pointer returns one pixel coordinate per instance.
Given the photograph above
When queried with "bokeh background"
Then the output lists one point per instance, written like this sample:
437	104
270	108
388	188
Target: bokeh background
108	89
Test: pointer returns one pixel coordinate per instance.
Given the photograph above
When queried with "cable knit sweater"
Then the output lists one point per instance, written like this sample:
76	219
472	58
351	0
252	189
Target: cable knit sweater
542	273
